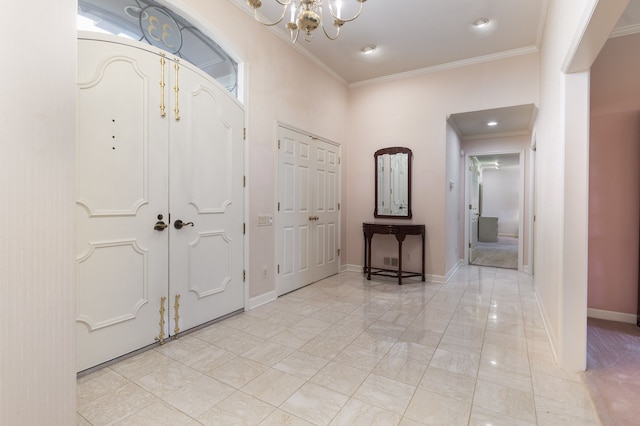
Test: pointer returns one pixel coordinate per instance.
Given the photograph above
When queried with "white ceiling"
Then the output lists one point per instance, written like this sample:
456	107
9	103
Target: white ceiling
417	36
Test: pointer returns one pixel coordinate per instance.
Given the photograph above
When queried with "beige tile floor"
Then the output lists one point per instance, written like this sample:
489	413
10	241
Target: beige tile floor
347	351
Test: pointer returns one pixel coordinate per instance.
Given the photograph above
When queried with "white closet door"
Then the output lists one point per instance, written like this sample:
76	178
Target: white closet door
122	151
325	226
206	190
308	218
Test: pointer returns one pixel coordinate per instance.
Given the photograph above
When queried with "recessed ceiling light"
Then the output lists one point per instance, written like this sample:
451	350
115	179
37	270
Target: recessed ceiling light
368	49
492	123
481	22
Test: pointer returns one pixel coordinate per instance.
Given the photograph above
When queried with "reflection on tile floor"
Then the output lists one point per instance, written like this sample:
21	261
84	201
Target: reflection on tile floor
347	351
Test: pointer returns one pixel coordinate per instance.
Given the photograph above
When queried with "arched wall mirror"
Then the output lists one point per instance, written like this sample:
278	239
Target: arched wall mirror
393	182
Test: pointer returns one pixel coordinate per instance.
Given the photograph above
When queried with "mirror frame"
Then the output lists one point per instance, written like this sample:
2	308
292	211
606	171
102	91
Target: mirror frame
393	150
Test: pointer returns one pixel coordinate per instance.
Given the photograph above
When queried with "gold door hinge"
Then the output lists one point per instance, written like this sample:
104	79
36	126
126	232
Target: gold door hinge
244	181
163	112
278	268
278	205
338	252
244	134
338	160
338	206
469	245
244	228
278	143
160	337
244	275
176	89
176	318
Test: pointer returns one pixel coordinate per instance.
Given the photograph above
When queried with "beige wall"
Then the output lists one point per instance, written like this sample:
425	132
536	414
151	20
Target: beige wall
413	112
37	245
614	185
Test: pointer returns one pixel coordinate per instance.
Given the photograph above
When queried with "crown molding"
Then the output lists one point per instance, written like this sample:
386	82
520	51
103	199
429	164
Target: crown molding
624	31
447	66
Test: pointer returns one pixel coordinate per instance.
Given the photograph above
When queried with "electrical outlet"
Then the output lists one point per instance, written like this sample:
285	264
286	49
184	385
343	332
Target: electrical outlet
264	272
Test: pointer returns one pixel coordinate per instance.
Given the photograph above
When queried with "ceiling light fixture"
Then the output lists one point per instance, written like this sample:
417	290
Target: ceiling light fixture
368	49
481	22
492	123
306	16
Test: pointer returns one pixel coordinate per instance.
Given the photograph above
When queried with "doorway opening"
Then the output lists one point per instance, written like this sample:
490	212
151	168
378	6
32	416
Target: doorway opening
495	210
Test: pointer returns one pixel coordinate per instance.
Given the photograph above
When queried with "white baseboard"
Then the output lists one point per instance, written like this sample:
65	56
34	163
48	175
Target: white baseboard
351	268
612	316
263	299
545	323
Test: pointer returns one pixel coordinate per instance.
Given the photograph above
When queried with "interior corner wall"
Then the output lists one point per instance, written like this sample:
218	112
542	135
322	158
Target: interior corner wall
413	112
37	185
278	91
614	179
558	280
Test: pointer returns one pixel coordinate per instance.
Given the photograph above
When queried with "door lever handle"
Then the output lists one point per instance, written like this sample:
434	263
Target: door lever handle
160	226
178	224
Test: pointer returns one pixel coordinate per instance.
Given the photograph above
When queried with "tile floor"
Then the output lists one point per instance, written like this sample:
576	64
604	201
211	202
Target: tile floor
347	351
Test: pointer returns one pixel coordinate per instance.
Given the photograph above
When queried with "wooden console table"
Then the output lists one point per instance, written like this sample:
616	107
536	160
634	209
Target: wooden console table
400	231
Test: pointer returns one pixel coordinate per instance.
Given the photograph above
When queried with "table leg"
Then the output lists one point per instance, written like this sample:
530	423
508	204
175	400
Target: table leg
423	238
369	238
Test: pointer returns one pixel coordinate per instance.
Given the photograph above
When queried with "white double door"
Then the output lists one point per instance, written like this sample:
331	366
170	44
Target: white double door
309	210
158	141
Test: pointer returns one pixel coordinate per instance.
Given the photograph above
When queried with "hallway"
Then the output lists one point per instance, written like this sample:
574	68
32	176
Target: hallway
347	351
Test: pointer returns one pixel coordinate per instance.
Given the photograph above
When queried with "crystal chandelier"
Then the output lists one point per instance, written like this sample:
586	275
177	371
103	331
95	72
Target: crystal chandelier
306	16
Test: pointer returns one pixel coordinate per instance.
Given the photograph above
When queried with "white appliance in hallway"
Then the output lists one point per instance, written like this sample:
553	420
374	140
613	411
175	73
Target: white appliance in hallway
159	145
308	210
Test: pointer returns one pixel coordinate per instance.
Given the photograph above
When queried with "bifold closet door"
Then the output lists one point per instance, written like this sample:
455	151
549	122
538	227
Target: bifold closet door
308	214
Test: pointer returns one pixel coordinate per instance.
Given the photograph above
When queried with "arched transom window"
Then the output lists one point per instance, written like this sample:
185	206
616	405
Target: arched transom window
151	22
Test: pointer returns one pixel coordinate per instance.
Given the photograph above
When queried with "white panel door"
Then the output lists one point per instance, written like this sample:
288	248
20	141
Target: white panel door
308	220
325	226
122	152
156	143
207	191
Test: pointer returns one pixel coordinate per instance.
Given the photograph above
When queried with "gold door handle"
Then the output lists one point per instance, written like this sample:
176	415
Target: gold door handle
178	224
314	218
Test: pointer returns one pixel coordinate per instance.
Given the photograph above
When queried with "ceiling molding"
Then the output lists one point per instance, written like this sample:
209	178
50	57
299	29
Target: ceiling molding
624	31
448	66
495	135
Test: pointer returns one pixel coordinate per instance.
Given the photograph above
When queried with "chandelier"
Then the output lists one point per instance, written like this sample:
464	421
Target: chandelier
306	16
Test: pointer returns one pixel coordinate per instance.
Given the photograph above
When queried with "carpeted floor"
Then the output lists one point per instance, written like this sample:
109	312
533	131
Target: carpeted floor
501	254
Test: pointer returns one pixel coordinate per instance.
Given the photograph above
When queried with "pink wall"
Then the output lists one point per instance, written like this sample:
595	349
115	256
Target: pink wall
614	177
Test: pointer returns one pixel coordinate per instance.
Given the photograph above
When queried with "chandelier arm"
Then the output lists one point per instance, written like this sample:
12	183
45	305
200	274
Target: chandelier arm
271	24
328	35
343	19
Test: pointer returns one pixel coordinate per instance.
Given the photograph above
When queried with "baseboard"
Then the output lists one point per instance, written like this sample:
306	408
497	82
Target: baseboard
612	316
263	299
445	279
545	323
351	268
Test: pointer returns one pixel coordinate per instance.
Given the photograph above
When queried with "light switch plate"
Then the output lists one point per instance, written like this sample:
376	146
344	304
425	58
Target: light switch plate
265	220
